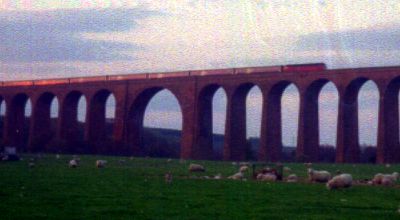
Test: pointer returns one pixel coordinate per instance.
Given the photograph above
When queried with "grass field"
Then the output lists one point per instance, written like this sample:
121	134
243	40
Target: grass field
137	190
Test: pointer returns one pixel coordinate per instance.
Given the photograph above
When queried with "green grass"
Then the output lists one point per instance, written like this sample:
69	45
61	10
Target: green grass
136	190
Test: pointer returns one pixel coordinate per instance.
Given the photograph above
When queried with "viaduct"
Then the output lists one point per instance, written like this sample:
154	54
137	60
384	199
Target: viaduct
194	91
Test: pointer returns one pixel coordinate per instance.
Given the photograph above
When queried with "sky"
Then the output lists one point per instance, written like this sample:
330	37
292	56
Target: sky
61	38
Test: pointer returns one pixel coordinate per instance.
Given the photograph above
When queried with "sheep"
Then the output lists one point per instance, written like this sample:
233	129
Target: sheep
101	163
237	176
31	165
73	163
168	178
57	156
387	181
287	169
292	178
344	180
218	176
121	162
377	180
387	165
243	169
270	177
244	164
309	165
321	176
196	168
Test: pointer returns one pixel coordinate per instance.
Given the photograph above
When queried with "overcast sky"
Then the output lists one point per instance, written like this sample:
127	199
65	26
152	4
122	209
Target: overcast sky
61	38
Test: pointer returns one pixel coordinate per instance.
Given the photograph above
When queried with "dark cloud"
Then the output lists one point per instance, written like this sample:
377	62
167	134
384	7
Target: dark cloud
383	39
56	35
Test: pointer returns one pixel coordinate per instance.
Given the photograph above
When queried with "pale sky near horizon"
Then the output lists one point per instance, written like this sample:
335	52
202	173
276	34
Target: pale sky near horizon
61	38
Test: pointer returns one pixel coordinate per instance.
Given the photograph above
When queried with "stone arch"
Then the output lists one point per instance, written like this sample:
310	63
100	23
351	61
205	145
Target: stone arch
135	121
309	128
97	122
271	131
72	130
388	151
205	148
348	147
18	124
43	128
238	147
3	109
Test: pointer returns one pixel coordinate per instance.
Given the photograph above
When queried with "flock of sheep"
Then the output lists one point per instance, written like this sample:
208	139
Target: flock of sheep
341	180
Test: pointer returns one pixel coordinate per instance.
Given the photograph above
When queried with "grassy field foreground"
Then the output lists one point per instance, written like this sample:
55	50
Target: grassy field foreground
137	190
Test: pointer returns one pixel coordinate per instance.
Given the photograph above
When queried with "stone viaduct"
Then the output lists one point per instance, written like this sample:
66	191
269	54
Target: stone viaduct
194	91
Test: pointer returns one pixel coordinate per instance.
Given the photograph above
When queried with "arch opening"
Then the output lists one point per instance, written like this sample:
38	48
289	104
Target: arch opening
290	104
368	107
44	124
19	121
101	122
155	124
358	122
73	119
211	117
2	119
328	103
254	102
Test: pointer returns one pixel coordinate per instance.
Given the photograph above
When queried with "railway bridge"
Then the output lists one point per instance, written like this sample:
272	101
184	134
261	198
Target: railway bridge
194	91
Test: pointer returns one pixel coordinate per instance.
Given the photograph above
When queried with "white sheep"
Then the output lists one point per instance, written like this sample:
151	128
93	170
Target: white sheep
237	176
73	163
218	176
243	169
196	168
168	178
269	177
340	181
378	178
31	165
292	178
321	176
101	163
287	169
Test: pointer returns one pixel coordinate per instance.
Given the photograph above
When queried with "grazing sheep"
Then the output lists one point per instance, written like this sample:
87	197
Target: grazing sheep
287	169
309	165
169	160
101	163
168	178
269	177
73	163
218	176
234	163
31	165
244	164
340	181
243	169
237	176
196	168
292	178
321	176
378	178
57	156
387	165
387	181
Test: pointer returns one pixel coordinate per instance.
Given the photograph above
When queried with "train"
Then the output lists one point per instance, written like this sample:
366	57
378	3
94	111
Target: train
311	67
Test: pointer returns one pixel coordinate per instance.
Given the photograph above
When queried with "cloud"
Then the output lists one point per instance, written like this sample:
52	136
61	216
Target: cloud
49	36
382	39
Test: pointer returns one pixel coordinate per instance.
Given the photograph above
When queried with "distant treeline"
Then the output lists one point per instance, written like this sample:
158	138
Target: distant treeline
161	142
